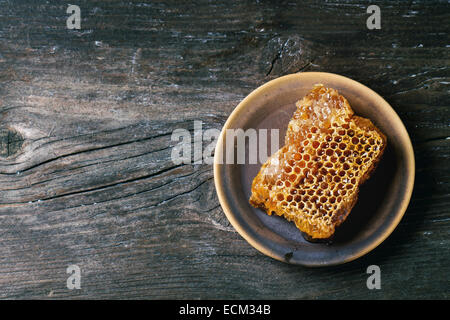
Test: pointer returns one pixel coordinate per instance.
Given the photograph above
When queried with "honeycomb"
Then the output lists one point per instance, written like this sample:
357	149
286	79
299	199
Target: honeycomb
313	180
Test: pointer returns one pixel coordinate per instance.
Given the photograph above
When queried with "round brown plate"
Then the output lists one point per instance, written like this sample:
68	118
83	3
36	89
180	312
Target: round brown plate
382	201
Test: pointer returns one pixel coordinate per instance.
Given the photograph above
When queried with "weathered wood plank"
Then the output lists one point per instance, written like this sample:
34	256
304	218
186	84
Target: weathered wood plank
91	182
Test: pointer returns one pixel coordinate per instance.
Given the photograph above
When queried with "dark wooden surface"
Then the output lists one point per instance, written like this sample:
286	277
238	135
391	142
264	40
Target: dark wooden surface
86	118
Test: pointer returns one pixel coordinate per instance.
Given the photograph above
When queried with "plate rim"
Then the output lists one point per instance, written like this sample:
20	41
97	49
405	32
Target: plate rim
410	162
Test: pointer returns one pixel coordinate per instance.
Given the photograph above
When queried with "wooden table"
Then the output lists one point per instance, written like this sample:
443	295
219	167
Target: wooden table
86	176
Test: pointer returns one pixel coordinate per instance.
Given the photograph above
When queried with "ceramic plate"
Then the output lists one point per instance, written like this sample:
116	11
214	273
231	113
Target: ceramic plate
382	200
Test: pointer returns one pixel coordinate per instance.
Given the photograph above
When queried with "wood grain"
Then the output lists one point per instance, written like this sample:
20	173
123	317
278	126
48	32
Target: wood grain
86	118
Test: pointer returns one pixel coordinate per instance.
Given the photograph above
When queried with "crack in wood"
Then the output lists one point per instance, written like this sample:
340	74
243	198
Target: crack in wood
181	194
86	151
98	188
